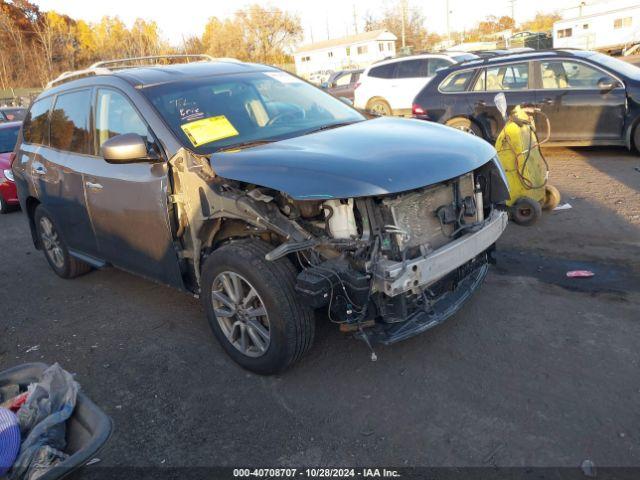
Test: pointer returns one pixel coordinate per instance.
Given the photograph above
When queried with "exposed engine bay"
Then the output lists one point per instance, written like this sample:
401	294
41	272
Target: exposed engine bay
385	267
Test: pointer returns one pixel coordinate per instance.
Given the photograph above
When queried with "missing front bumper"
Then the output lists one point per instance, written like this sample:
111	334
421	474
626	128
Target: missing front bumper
423	320
396	278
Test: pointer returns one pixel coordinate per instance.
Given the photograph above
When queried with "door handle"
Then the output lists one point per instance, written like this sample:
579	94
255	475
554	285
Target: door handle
481	103
93	186
548	101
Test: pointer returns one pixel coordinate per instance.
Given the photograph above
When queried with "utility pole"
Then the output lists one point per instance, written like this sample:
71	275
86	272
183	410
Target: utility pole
448	24
403	6
328	36
355	20
512	3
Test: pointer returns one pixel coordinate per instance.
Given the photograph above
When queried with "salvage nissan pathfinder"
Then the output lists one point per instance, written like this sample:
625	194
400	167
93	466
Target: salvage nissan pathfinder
263	195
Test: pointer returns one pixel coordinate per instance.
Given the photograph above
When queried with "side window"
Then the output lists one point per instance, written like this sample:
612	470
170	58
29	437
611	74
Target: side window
383	71
416	68
116	116
507	77
436	64
70	122
557	74
36	125
343	80
457	82
481	82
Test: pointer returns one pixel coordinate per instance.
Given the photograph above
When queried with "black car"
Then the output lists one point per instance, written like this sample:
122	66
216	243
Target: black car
590	98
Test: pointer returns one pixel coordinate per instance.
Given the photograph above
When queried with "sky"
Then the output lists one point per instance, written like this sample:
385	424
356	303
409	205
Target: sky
319	18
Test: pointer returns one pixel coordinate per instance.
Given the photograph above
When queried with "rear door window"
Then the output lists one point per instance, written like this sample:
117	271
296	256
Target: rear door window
507	77
116	116
36	125
416	68
383	71
457	82
70	122
343	80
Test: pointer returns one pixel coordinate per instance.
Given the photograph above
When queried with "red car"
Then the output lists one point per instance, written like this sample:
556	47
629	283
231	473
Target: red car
8	137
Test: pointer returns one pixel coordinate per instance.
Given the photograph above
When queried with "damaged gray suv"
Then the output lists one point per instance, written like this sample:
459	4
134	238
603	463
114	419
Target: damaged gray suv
264	196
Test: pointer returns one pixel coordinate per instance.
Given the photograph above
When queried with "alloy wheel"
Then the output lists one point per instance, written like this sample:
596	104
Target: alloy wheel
51	242
241	314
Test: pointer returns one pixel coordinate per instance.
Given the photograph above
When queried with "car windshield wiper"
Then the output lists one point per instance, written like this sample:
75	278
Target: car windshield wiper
242	145
330	126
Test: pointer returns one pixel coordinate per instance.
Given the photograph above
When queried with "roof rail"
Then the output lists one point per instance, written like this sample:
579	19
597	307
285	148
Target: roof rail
106	67
135	61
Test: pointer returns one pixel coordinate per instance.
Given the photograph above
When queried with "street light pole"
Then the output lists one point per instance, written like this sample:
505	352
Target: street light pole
403	5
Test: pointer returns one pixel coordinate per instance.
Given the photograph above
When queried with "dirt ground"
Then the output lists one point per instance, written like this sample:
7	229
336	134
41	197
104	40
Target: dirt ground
536	370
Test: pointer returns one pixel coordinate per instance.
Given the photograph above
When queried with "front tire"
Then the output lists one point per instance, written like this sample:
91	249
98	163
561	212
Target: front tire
253	308
54	247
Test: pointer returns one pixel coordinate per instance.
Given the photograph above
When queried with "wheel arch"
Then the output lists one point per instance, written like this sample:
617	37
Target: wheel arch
31	204
630	131
472	120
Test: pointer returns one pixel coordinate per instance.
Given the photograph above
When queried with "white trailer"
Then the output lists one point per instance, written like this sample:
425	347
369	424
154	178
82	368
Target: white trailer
611	26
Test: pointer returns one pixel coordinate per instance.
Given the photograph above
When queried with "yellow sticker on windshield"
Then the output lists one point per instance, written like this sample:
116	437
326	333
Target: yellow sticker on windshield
209	130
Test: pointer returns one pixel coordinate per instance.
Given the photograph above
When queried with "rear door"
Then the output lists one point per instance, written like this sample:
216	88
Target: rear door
128	202
411	76
512	79
341	84
58	169
578	108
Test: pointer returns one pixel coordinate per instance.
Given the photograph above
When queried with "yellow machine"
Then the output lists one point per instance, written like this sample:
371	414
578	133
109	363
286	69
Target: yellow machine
525	167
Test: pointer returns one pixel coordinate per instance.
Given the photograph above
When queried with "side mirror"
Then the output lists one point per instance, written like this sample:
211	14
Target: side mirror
346	100
501	104
606	83
125	148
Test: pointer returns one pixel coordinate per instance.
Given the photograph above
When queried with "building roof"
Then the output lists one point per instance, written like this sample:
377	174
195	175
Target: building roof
346	41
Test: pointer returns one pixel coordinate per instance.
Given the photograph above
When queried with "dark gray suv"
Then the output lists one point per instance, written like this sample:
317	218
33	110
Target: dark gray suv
263	195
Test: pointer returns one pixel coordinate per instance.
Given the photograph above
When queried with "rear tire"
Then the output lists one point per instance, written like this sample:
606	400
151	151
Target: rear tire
526	211
380	107
465	125
551	197
636	138
273	341
54	247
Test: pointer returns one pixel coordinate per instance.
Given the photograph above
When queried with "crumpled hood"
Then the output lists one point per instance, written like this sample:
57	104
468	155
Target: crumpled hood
375	157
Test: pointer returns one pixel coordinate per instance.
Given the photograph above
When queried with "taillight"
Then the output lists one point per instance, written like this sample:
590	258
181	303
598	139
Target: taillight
12	157
417	110
356	85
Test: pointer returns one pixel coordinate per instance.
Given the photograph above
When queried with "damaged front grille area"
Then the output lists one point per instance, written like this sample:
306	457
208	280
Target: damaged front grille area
424	220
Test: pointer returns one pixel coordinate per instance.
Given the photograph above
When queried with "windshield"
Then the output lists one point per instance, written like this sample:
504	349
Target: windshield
619	66
8	138
222	111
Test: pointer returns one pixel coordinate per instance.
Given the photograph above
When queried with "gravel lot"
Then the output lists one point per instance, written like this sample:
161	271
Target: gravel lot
537	369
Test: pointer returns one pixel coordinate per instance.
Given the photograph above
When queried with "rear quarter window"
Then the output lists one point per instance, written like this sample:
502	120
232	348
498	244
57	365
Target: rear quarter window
383	71
457	81
36	125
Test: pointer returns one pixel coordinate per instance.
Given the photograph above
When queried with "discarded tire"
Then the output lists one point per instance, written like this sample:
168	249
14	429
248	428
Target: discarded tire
551	197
